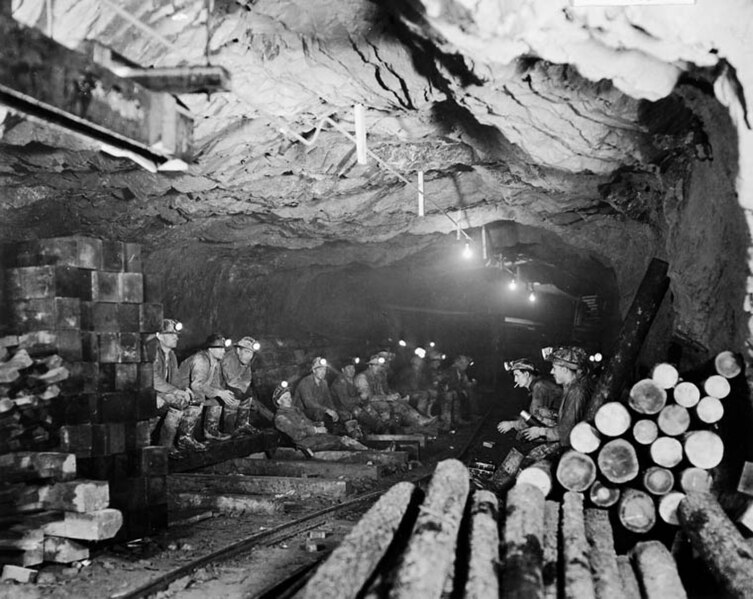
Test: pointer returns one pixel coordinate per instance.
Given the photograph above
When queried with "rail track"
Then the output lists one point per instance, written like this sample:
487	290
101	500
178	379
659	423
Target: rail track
351	509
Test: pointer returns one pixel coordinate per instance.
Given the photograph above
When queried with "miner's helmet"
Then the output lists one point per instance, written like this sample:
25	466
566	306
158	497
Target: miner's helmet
572	357
319	362
170	325
377	360
279	391
248	343
217	340
522	364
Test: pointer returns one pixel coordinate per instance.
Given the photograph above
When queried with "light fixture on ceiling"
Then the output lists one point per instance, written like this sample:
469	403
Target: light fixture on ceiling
513	284
467	251
531	293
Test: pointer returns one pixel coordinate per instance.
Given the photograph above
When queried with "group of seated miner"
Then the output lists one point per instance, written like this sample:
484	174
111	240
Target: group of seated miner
216	383
555	408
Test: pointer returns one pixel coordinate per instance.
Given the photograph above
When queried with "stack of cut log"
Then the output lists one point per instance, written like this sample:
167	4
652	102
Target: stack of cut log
47	515
643	457
448	542
77	306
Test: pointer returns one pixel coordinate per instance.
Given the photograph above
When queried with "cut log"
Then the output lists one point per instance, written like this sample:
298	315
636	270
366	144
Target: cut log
719	543
646	397
612	419
630	586
483	564
576	471
709	410
658	480
584	438
606	574
618	461
696	479
704	449
666	452
728	364
657	571
673	420
523	543
716	386
350	565
645	431
538	474
637	322
636	511
550	569
578	583
686	394
665	375
668	507
430	555
602	495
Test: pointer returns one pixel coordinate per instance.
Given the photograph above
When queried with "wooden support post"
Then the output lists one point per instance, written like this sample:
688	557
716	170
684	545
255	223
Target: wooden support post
576	471
484	563
618	461
719	543
637	322
606	574
350	565
630	587
550	567
657	571
430	555
578	580
636	511
523	542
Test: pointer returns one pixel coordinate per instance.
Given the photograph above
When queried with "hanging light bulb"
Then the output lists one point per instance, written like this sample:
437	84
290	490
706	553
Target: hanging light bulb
467	251
531	294
512	285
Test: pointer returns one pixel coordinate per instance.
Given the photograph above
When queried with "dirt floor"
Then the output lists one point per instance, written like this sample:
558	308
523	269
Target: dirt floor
115	570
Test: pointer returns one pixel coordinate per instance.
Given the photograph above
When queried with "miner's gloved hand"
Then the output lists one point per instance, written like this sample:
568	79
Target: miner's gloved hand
320	429
534	433
505	426
227	397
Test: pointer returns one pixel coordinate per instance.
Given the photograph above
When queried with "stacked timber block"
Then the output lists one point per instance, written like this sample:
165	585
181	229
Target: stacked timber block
641	458
49	515
449	541
87	301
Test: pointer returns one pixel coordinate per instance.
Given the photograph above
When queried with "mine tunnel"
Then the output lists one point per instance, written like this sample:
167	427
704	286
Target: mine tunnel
326	184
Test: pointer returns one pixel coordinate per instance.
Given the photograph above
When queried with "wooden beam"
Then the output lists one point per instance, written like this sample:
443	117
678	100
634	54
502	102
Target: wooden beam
218	484
351	457
49	82
226	450
303	468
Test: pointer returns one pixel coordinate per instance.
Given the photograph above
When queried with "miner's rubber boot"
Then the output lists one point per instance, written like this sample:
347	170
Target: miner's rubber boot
212	417
228	420
186	441
169	431
242	424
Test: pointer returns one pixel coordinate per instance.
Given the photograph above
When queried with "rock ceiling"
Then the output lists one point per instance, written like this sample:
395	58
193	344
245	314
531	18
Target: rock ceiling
517	110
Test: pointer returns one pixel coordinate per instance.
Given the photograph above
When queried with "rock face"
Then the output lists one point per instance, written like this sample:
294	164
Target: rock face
585	140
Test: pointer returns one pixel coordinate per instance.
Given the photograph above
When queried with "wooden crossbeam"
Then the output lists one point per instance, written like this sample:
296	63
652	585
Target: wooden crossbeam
226	450
64	88
305	468
219	484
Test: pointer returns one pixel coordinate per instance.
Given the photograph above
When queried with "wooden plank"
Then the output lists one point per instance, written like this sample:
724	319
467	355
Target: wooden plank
219	484
412	448
94	526
21	466
226	450
361	457
226	503
304	468
415	438
191	79
43	78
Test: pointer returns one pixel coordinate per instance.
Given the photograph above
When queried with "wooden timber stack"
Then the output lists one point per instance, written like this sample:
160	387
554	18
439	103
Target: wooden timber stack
448	541
641	458
47	514
81	310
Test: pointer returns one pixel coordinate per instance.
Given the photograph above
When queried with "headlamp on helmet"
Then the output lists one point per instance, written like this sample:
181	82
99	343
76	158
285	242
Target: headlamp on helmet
319	362
420	352
171	326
